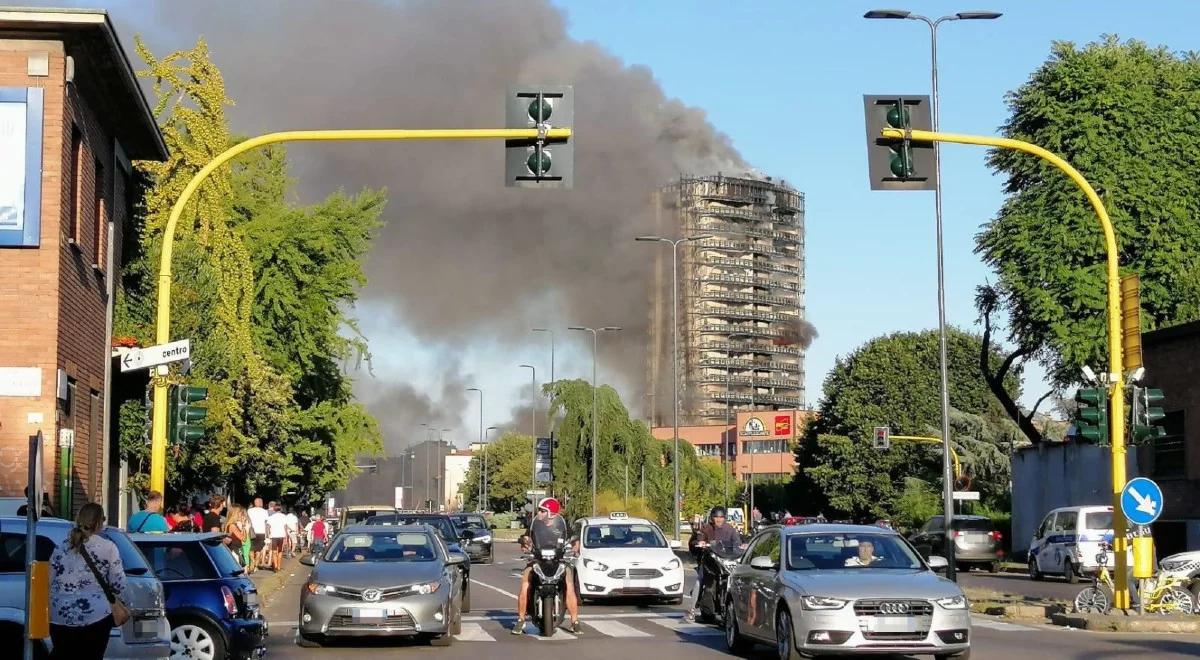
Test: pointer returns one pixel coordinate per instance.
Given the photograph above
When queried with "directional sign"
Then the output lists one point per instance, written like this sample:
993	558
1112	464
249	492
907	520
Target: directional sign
152	356
1141	501
970	495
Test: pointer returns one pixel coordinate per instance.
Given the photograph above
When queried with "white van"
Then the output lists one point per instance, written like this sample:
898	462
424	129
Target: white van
1068	540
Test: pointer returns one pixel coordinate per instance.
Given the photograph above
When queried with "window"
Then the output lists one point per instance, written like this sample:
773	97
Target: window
768	546
633	535
1098	520
98	212
76	186
1066	521
708	450
21	166
382	546
132	559
12	551
181	560
850	551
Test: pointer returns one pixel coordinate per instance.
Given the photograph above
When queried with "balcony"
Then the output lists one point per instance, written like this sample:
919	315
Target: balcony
747	264
734	296
743	347
744	246
736	363
786	383
761	282
742	230
734	397
748	314
737	329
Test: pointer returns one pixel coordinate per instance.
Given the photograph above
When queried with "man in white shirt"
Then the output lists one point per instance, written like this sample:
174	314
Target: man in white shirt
277	532
293	533
866	555
258	523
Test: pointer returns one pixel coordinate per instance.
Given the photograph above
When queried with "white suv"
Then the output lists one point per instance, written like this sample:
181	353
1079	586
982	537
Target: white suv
621	557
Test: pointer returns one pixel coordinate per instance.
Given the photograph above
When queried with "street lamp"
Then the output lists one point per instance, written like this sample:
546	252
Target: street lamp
532	420
674	348
441	475
428	430
476	389
412	477
595	417
551	350
725	443
486	499
947	470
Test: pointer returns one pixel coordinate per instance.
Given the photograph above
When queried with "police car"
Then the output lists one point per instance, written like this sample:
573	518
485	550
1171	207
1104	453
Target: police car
621	557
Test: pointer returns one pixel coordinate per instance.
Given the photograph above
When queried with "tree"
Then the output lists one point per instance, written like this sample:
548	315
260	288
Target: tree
893	381
510	466
1124	115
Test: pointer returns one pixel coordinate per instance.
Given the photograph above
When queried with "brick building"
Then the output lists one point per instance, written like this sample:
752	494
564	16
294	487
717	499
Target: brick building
757	443
72	120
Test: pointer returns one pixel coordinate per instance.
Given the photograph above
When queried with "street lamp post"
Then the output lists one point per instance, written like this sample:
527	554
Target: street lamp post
551	350
674	350
595	418
486	499
441	475
480	495
412	478
947	474
728	384
532	420
428	429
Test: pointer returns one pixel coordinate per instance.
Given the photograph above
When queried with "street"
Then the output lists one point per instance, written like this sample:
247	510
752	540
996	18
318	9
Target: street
611	630
1021	584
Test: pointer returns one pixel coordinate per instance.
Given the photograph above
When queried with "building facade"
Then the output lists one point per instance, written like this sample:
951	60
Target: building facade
758	446
741	300
72	120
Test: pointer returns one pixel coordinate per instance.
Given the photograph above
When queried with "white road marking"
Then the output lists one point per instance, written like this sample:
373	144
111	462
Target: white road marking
616	629
583	617
690	629
496	589
473	632
286	625
999	625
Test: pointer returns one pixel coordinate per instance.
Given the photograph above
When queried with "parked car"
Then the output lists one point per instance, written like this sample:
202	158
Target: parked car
1068	541
621	556
479	548
358	513
976	541
211	604
450	534
145	635
10	505
382	580
843	589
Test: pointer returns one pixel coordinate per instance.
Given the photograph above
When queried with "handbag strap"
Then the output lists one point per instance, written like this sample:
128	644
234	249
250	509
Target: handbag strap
91	562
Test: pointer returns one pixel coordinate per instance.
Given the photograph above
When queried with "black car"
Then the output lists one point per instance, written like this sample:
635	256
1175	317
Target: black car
212	606
976	541
453	536
478	548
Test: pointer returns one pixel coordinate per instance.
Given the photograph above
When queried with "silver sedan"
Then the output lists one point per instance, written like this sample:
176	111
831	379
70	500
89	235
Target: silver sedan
843	590
371	581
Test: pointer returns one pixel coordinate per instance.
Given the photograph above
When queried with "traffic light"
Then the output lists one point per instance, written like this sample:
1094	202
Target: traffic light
896	163
540	162
183	417
883	438
1147	413
1091	418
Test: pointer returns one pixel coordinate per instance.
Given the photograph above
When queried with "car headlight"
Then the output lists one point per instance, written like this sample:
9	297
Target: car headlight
482	539
425	587
822	603
672	565
317	588
595	565
953	603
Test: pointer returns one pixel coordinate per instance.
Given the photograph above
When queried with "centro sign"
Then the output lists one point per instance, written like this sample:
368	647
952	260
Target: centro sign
754	426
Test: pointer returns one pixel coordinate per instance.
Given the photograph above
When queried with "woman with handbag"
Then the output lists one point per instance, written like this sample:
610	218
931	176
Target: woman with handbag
236	537
86	583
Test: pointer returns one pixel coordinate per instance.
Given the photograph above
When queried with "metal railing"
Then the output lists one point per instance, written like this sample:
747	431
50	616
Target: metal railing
719	278
740	230
765	266
743	246
743	347
738	329
746	297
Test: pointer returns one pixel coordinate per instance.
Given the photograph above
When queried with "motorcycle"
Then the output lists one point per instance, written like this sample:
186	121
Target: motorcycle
548	589
718	562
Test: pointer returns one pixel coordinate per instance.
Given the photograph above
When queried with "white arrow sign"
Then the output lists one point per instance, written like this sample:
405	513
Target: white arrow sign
1145	504
151	356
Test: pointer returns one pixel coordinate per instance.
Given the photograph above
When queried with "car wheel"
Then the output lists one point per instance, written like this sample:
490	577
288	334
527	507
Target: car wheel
1034	573
785	636
965	655
447	638
734	642
198	640
1069	572
994	567
307	641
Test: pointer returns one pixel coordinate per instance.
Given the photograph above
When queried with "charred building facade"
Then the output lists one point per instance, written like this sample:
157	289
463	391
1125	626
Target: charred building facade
742	331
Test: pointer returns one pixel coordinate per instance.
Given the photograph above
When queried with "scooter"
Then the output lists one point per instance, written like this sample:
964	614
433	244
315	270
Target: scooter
548	589
718	562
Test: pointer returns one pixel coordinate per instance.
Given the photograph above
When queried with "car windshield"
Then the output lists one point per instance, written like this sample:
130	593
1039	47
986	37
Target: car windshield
382	546
471	522
177	560
226	564
1097	520
850	550
973	524
442	524
623	536
132	559
357	517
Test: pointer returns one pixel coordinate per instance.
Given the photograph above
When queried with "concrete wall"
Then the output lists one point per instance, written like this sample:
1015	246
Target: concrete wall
1054	474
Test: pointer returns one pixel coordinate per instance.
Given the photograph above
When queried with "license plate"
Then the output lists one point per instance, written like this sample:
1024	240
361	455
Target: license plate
146	628
892	624
368	616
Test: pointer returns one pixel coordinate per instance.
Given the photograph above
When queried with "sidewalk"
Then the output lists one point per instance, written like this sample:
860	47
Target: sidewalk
268	582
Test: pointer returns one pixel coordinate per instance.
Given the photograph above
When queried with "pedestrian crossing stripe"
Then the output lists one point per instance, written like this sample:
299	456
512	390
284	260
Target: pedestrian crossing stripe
998	625
690	629
473	632
615	628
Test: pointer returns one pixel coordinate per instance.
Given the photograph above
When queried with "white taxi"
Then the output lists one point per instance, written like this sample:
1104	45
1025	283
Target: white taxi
622	557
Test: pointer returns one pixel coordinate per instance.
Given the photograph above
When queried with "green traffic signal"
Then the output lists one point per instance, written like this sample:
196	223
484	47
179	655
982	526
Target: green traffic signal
898	116
538	162
1147	415
1091	418
184	418
901	163
540	110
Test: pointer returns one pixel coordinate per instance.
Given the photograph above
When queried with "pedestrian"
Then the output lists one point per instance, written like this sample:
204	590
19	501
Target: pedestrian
258	525
179	519
304	523
237	535
211	522
293	533
150	518
317	532
86	584
47	510
197	515
277	532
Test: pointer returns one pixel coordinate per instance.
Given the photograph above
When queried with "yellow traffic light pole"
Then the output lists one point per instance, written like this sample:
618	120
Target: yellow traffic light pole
1116	375
158	431
928	439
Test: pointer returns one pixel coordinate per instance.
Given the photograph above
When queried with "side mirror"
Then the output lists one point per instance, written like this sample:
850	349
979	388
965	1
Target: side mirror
938	563
763	563
308	560
492	527
675	545
455	558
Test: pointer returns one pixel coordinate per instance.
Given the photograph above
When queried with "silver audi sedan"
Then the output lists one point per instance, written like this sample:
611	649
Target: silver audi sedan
372	581
843	590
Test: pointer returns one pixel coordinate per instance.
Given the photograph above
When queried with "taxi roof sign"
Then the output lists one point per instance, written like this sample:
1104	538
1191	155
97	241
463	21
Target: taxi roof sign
618	515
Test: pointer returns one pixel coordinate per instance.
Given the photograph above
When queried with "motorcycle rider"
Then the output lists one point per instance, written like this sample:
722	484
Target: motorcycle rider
714	533
546	531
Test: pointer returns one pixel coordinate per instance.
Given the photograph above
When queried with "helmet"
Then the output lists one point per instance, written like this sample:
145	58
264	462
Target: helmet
715	512
550	504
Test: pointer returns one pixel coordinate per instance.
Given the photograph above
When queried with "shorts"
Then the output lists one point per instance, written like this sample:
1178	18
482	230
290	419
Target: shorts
257	543
277	544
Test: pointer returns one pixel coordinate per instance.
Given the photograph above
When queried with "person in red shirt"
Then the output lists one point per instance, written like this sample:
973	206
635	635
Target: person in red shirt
317	533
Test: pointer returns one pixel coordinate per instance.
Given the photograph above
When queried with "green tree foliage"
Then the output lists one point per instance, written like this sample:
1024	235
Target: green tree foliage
1124	115
893	381
261	288
509	471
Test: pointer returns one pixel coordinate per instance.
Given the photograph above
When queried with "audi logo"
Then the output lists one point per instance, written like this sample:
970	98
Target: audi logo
372	595
893	608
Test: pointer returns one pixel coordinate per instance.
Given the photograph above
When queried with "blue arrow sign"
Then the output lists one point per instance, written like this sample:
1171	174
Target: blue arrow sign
1141	501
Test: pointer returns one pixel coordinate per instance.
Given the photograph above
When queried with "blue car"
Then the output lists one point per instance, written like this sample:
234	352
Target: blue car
212	606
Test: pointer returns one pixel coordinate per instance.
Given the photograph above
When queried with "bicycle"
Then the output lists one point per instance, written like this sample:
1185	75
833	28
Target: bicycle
1166	594
1097	598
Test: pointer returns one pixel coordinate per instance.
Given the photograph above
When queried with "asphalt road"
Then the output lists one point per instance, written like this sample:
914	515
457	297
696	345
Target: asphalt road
611	631
1020	584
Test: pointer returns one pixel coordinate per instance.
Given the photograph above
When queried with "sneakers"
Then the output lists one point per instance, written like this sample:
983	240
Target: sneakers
518	628
574	628
690	617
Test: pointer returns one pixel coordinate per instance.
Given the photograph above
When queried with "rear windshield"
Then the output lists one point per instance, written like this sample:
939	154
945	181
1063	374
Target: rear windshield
973	524
357	517
471	522
131	558
223	558
178	560
1098	520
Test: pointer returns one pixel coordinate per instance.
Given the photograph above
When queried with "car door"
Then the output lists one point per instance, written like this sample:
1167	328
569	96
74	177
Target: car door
764	585
1045	548
741	583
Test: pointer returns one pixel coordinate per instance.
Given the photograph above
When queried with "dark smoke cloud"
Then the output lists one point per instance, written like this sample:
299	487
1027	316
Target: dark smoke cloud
401	408
462	257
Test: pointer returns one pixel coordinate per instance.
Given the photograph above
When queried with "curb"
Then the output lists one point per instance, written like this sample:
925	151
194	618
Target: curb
1133	624
1027	612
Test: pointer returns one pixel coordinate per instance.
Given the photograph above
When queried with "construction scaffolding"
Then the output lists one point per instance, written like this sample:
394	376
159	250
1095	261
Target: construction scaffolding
741	298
